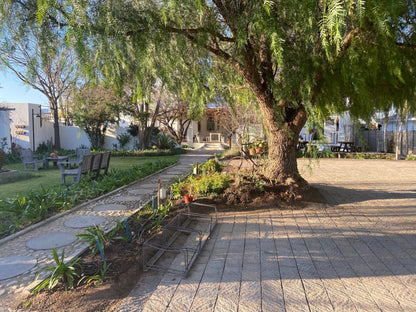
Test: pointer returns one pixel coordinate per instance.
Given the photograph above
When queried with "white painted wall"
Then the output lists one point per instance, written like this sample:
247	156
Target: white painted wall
73	137
5	128
111	138
19	124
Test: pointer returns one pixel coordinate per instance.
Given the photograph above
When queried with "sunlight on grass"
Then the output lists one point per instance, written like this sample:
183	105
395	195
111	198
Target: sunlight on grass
51	177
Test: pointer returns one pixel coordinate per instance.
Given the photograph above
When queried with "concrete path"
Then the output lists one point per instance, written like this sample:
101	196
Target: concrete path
23	254
358	253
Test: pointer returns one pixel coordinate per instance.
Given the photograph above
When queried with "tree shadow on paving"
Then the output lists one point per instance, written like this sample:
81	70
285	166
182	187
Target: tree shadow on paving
336	195
316	254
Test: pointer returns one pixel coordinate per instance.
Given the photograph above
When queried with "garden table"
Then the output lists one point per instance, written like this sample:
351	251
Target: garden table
55	160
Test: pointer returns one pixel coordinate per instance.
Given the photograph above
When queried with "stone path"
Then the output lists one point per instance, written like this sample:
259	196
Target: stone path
358	253
23	254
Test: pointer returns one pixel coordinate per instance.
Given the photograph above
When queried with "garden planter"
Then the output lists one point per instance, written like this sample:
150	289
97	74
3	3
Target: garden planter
2	155
188	198
258	150
251	151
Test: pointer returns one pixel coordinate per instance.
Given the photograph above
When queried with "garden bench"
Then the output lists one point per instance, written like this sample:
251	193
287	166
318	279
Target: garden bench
91	164
96	166
31	160
105	161
83	169
76	159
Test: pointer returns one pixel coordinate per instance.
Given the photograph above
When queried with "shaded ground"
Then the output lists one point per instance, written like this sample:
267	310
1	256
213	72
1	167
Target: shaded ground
125	258
357	254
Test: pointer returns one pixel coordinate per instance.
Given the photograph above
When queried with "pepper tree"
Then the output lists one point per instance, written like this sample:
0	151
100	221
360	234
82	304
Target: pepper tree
295	58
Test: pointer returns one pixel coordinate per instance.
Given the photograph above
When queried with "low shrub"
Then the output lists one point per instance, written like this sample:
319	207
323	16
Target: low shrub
11	159
150	152
211	166
214	183
314	153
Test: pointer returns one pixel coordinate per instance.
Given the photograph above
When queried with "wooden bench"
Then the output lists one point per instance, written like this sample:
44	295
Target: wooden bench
91	164
83	169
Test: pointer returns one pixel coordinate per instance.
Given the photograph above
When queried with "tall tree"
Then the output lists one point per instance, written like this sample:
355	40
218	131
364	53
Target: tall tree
297	57
37	55
175	117
94	108
144	112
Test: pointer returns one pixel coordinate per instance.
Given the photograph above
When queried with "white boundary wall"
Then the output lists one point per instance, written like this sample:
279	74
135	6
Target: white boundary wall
5	128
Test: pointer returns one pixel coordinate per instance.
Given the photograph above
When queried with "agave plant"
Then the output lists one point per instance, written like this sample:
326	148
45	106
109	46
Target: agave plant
61	272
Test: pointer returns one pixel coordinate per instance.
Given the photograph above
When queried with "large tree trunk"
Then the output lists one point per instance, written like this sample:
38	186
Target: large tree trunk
283	137
283	119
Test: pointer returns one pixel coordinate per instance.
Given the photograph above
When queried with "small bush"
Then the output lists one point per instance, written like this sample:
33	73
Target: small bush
211	166
411	157
123	139
165	142
149	153
11	159
214	183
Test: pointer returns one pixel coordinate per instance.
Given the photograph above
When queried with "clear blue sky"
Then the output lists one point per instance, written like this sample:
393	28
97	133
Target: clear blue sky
14	91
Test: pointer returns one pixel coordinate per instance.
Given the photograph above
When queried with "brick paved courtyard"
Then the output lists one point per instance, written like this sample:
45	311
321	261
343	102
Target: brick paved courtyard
358	253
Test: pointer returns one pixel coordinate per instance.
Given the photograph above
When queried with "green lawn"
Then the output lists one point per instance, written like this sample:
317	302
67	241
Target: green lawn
35	180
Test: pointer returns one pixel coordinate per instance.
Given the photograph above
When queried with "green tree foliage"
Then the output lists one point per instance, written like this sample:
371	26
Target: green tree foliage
93	108
296	58
36	53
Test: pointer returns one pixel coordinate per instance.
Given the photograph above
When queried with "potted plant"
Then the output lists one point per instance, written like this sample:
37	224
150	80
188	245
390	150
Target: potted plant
188	198
251	149
258	147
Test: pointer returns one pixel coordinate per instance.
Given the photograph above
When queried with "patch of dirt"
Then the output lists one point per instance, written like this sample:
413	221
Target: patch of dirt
124	259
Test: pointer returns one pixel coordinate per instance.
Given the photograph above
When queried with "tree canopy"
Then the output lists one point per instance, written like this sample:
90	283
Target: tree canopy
93	109
36	54
296	58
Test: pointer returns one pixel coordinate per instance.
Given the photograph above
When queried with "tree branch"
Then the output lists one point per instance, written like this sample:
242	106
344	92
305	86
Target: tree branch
199	30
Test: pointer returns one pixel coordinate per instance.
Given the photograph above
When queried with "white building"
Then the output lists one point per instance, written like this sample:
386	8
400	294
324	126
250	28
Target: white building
27	125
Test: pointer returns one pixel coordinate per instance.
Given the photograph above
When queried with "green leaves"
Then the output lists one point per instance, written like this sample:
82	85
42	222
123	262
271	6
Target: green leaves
61	272
94	234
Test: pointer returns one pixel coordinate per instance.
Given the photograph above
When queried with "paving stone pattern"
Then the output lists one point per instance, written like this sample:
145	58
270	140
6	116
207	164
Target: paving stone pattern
357	253
22	255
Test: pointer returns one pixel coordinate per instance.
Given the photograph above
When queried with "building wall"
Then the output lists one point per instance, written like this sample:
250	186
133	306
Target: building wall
73	137
5	129
20	124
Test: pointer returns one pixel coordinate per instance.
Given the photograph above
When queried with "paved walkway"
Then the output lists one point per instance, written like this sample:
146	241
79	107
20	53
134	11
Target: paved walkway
358	253
23	254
